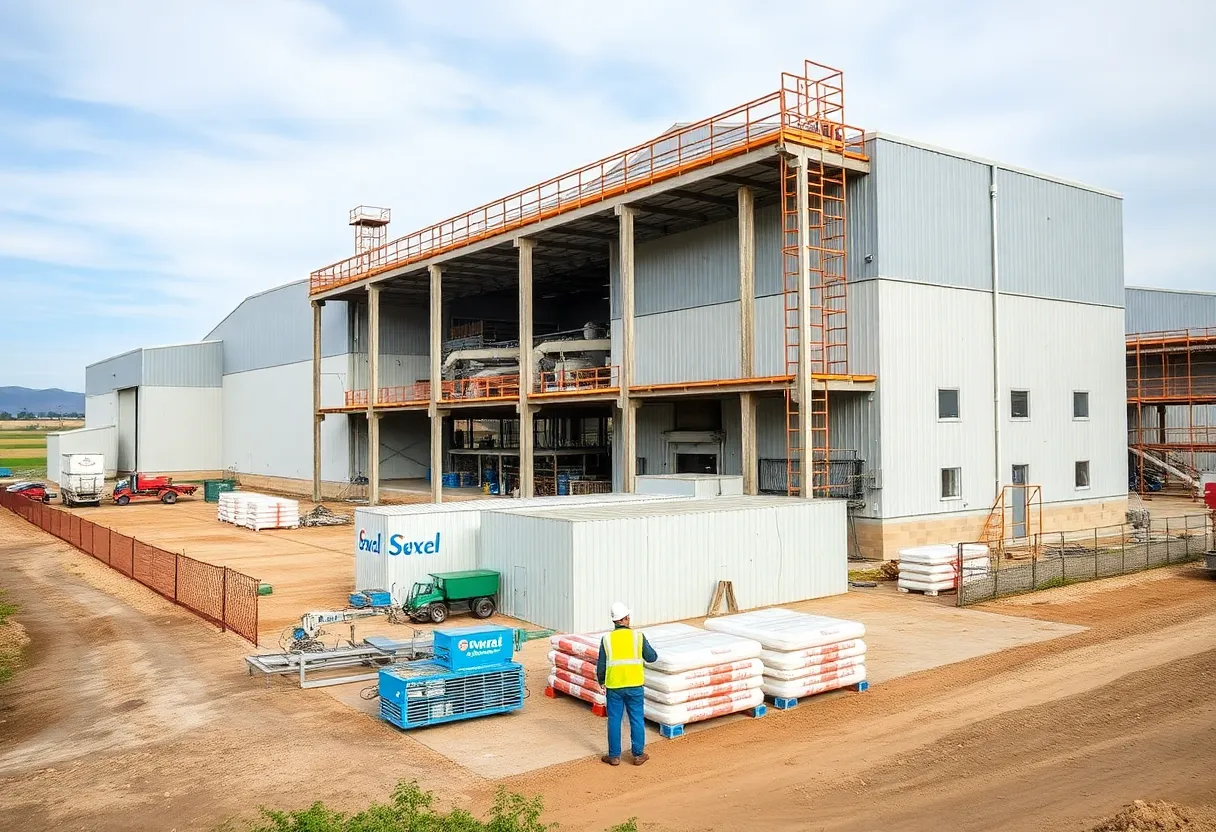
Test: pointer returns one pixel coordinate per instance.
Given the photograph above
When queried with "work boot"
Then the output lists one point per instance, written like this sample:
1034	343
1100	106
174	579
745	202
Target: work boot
640	758
612	761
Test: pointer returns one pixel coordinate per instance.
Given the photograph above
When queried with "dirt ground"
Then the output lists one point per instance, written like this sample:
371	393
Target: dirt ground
133	715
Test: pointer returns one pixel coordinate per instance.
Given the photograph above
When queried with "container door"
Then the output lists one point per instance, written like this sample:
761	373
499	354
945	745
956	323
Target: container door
519	594
1021	474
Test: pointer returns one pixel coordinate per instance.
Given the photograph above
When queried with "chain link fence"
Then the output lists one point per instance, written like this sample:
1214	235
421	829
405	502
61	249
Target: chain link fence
222	596
1053	559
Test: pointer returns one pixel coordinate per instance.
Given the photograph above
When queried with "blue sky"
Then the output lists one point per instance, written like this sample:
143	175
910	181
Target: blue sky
159	162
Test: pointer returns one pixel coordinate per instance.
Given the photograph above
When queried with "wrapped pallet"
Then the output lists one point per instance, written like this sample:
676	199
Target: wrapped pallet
934	569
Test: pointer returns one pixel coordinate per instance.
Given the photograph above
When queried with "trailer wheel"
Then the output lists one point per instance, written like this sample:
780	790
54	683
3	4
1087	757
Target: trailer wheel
483	607
169	498
123	499
67	501
439	613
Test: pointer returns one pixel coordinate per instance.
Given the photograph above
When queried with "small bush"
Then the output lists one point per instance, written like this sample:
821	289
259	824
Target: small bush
6	609
409	810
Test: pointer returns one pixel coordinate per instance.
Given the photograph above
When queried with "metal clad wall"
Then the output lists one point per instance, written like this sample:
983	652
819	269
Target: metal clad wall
654	418
1059	241
768	251
1156	310
770	336
101	411
405	445
275	328
534	559
861	206
184	365
933	217
115	373
102	441
404	330
697	344
180	429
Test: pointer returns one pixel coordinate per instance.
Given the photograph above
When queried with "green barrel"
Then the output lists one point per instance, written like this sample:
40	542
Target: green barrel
212	489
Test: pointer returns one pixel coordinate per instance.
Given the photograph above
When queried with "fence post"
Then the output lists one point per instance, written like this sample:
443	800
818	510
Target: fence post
176	558
958	575
224	603
1167	541
1034	564
1063	564
1095	552
1123	549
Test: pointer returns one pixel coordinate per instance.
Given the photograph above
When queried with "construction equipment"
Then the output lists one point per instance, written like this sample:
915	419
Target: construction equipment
473	591
143	487
306	635
315	666
82	479
36	491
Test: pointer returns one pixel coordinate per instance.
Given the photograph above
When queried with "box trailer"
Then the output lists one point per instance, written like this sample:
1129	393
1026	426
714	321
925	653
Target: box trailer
82	479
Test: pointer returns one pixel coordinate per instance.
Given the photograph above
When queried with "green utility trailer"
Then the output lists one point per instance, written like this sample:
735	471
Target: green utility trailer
474	591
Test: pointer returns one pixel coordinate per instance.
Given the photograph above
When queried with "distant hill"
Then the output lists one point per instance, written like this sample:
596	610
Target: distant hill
16	400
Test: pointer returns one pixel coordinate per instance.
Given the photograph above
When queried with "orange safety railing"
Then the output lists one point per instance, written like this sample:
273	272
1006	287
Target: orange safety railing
808	109
416	393
588	380
484	388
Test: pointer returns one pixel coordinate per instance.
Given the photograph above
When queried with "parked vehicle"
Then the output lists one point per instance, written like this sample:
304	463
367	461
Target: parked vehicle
36	491
474	591
82	479
143	487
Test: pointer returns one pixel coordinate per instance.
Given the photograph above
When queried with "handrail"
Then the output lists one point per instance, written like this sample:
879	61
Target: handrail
805	109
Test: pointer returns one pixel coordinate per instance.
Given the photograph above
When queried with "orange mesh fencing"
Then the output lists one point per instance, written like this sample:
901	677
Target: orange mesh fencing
200	586
121	548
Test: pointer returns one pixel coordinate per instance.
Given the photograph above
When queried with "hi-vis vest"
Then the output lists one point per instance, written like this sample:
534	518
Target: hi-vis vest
623	659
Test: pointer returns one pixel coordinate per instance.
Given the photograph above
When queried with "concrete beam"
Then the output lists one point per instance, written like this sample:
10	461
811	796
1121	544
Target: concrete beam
317	416
629	457
747	282
803	382
436	354
749	453
527	461
373	390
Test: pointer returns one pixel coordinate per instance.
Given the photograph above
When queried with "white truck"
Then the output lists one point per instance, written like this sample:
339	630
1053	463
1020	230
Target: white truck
82	479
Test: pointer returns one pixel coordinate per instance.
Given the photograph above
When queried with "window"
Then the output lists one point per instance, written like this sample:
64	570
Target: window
947	404
1019	404
1080	404
952	483
1082	474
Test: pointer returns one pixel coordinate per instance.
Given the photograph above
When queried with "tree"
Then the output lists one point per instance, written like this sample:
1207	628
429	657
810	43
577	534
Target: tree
5	416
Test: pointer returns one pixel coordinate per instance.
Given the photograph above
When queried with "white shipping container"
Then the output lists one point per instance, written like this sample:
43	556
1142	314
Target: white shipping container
398	546
563	568
82	464
691	485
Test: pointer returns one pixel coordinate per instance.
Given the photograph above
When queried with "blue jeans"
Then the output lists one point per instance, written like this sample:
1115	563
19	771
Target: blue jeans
621	700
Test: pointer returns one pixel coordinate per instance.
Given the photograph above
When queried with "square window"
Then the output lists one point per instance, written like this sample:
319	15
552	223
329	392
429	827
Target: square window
1080	404
947	404
1082	474
1019	404
952	482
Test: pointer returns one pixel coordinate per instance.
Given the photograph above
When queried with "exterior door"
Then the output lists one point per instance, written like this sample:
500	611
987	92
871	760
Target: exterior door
696	463
1021	475
519	593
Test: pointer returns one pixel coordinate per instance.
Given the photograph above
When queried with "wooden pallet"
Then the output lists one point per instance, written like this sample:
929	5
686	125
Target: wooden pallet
725	591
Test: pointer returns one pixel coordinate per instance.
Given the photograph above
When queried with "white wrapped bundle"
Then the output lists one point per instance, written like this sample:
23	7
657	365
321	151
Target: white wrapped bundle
794	659
586	646
942	553
702	709
576	690
812	685
813	670
573	664
702	676
263	512
681	647
782	629
576	679
732	689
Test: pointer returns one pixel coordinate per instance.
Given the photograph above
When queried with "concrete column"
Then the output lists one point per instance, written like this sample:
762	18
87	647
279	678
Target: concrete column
317	416
527	461
748	452
373	390
629	455
747	282
803	384
436	353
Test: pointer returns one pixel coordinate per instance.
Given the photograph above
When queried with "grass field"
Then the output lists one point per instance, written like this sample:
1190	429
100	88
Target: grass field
23	450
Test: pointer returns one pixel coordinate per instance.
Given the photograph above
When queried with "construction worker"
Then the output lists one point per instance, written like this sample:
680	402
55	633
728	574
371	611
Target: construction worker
620	672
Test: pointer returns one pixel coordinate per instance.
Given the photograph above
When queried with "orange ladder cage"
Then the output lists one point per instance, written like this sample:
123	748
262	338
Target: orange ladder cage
813	105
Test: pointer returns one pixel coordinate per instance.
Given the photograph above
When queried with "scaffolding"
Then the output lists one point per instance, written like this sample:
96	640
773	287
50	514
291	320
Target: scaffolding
1171	399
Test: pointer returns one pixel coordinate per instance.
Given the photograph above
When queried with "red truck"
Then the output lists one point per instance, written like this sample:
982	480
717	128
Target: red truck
143	487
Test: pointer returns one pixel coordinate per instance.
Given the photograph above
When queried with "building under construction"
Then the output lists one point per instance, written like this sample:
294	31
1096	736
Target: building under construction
769	292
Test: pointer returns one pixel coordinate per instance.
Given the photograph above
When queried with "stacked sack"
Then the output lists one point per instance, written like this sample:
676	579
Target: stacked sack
700	675
803	654
572	668
933	569
258	511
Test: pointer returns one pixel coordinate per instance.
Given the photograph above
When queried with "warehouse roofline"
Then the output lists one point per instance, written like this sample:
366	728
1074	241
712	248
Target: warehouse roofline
154	347
932	148
248	298
1199	292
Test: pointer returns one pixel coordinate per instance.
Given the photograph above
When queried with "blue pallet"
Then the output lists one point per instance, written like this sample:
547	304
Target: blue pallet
783	703
673	731
374	598
422	693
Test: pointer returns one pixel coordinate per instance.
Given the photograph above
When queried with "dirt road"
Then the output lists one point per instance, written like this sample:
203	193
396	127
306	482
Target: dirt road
136	716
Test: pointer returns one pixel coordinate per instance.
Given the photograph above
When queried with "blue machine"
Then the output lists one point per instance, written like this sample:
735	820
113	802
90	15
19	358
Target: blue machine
466	648
373	598
417	694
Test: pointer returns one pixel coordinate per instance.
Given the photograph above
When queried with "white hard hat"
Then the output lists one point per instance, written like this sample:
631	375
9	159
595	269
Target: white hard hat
619	611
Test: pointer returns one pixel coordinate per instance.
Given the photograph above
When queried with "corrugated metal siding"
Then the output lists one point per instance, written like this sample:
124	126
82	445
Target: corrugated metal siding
102	441
653	420
1058	241
394	370
405	445
769	359
687	345
114	373
404	330
768	251
1156	310
534	559
180	429
101	411
275	328
933	217
184	365
861	206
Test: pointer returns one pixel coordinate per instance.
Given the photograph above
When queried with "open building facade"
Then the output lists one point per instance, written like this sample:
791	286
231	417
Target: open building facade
770	292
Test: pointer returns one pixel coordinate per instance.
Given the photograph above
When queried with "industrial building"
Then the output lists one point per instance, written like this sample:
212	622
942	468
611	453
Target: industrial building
936	338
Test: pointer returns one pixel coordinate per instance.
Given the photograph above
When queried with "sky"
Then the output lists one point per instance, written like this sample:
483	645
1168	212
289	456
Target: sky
161	161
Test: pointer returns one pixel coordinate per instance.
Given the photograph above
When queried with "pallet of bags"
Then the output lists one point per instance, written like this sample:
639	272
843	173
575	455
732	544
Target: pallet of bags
934	569
572	669
229	503
700	675
271	513
803	654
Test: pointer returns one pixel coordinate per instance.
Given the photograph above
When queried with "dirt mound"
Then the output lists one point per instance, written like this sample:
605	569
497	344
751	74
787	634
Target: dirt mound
1158	816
